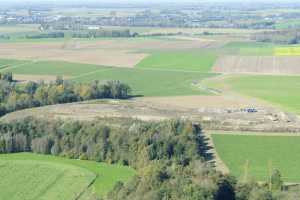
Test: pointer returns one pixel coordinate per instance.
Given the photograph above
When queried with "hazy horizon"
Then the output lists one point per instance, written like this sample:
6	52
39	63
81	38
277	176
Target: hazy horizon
146	1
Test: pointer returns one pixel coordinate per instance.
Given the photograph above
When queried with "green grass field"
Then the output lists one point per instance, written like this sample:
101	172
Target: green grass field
147	82
5	63
48	177
287	24
51	68
262	153
281	91
153	82
180	60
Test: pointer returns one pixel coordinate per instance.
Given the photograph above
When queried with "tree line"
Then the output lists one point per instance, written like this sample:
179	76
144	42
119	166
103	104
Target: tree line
46	35
15	96
103	33
83	34
278	37
169	156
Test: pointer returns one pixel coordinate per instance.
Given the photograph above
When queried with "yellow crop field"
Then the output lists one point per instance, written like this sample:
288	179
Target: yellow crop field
287	51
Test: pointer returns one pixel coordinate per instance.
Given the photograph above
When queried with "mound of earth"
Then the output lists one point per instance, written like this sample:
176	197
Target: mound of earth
211	118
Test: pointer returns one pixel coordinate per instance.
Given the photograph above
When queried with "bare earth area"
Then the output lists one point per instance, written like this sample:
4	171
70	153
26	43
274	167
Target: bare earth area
194	102
258	64
78	54
265	119
117	53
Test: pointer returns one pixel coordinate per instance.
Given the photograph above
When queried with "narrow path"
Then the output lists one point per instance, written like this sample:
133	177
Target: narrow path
171	70
92	72
216	160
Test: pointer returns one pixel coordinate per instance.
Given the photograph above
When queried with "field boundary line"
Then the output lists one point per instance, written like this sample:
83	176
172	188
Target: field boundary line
173	70
218	163
86	188
19	65
90	73
50	185
249	133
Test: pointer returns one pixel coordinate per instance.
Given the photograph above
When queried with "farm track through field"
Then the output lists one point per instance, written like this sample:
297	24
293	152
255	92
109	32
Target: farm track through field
218	83
90	73
86	189
219	86
170	70
18	65
50	185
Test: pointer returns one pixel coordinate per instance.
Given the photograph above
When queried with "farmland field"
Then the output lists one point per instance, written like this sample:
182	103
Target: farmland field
287	51
250	48
278	90
48	177
185	61
163	82
275	65
262	154
103	51
149	82
49	68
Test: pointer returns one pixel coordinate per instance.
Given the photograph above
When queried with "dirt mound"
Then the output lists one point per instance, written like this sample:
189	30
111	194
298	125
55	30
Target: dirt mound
231	119
258	64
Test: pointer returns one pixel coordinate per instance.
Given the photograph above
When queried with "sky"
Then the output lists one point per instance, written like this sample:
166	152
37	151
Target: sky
141	1
145	1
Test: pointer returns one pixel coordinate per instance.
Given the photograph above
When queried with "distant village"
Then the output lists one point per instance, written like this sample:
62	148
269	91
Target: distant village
198	18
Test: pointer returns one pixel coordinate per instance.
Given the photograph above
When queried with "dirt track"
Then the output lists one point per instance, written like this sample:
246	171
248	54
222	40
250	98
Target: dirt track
258	64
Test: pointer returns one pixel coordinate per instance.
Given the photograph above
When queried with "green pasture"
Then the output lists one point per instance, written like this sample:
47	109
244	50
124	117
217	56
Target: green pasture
6	63
50	68
32	176
256	156
197	61
147	82
281	91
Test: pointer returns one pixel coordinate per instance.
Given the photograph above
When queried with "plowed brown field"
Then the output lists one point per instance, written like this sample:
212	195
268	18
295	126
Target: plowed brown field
258	64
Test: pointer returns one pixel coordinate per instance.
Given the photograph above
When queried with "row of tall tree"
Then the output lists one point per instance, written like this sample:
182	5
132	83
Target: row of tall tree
103	33
15	96
278	37
46	35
